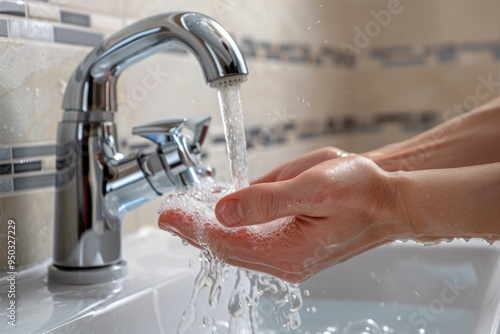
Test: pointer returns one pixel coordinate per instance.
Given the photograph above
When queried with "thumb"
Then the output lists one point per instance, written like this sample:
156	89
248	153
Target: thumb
261	203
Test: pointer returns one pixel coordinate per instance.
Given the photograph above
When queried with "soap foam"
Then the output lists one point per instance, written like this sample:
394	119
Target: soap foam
197	205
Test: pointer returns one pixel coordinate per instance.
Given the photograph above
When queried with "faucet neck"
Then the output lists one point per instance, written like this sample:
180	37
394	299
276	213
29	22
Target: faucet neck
92	87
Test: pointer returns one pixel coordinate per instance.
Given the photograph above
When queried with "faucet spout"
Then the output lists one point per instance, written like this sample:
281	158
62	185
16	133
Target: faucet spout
92	86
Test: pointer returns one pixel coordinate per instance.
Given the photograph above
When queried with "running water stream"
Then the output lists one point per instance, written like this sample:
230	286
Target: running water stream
282	300
231	108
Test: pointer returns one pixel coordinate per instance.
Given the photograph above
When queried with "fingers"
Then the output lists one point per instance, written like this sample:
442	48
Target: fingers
265	202
181	224
293	168
289	276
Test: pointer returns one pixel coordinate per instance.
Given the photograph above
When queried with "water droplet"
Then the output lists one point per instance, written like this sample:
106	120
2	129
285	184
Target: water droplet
306	293
332	329
208	321
235	306
387	329
489	241
295	300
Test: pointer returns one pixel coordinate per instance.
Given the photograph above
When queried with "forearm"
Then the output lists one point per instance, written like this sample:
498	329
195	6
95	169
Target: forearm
448	203
470	139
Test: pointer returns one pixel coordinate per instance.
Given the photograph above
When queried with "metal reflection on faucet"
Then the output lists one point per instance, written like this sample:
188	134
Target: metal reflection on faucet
96	184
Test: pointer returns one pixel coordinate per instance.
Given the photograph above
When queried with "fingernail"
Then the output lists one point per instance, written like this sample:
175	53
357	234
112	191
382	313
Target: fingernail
230	212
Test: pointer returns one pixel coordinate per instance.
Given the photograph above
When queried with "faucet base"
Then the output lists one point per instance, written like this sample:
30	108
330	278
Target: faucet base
87	276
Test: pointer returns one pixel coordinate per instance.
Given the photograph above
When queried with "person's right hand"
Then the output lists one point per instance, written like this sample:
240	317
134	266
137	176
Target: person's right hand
329	213
291	169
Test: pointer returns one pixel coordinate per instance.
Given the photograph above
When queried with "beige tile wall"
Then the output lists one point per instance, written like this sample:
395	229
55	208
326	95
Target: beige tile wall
31	86
33	79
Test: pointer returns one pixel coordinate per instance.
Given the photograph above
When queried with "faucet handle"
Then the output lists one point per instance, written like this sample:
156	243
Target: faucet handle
199	126
160	132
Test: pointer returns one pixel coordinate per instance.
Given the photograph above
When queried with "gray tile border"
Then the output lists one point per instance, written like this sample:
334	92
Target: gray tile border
5	169
3	28
75	18
16	8
27	166
33	151
34	182
78	37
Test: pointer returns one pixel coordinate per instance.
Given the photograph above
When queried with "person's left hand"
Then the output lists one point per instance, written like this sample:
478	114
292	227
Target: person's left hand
331	212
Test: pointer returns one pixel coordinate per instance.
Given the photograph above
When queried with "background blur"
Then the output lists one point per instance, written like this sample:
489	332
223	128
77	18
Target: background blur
356	74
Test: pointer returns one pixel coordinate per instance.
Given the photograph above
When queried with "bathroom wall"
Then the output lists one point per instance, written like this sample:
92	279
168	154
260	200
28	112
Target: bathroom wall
355	74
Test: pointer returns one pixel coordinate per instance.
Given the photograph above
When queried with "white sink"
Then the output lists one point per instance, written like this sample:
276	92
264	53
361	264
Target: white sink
449	288
149	300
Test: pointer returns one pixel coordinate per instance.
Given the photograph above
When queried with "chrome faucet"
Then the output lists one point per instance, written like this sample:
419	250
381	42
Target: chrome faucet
96	184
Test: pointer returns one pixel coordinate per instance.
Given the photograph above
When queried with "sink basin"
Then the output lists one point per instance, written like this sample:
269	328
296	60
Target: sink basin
408	288
400	288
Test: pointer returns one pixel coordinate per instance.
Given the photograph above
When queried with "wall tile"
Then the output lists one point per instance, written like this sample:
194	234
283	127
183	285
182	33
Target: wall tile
77	36
106	23
32	213
3	28
43	11
139	9
112	7
30	30
33	79
463	20
80	19
13	8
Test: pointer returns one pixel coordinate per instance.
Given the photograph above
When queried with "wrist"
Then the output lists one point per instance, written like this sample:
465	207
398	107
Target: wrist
393	219
401	223
408	215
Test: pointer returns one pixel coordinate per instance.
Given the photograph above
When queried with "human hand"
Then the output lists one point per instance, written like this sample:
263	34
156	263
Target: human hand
330	212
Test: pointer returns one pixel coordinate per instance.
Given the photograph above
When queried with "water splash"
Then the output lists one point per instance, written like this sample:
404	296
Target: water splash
199	202
245	305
